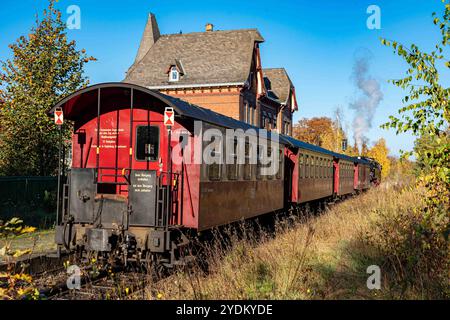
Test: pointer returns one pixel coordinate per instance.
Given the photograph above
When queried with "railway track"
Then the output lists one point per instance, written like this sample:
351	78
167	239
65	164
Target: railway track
121	286
36	264
96	284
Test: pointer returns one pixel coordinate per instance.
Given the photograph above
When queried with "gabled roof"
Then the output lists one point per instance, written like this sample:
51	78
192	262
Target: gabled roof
278	84
214	57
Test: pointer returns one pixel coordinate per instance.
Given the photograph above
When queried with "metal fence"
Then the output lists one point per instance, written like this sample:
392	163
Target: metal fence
33	199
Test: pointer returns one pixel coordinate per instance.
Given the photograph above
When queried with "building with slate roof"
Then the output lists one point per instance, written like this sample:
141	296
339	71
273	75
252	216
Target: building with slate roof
218	70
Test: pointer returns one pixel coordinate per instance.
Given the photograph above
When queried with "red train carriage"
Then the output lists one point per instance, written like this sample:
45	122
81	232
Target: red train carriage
124	196
311	168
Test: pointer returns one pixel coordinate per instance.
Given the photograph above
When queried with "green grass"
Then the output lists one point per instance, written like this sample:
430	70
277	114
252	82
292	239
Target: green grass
39	242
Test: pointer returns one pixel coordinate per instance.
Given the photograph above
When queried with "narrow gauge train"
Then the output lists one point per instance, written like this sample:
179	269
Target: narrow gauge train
123	198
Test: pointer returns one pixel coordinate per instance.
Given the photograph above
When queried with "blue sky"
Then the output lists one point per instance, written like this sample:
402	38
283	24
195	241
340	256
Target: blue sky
315	41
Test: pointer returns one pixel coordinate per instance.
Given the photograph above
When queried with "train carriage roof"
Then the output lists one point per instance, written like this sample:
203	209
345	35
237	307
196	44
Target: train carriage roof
73	105
307	146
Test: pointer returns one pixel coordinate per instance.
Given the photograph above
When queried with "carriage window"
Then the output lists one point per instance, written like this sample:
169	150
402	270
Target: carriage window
303	168
280	163
258	162
247	165
147	143
316	167
320	168
232	168
214	168
330	168
308	169
269	155
301	165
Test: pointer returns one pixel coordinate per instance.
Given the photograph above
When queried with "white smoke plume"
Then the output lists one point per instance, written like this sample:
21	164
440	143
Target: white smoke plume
366	105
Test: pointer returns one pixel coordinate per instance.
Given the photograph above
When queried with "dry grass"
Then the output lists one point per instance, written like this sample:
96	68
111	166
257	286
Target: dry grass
322	257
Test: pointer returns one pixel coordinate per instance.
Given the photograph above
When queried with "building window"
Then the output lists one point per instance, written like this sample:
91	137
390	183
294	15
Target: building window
252	117
174	75
274	121
286	127
247	110
147	143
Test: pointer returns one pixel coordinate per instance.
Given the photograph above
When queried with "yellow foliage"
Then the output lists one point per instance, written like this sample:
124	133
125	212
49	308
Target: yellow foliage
28	230
19	253
323	132
380	153
23	277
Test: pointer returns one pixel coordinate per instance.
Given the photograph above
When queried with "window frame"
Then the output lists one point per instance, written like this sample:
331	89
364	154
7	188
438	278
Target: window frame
258	162
269	155
247	165
306	166
174	70
220	165
279	173
136	142
234	166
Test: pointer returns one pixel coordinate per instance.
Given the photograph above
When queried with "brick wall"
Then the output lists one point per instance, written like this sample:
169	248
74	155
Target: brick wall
226	101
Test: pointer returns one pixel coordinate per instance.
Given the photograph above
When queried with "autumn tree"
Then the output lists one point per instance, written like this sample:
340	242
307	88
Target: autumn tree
426	112
45	66
320	131
380	153
401	169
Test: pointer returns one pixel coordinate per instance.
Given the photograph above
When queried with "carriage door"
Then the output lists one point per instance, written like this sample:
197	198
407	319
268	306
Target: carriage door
112	153
146	153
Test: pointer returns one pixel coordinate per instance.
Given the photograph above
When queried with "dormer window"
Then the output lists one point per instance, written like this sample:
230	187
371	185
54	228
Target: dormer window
175	71
174	75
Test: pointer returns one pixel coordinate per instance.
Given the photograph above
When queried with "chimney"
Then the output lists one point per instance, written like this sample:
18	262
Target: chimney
150	36
209	27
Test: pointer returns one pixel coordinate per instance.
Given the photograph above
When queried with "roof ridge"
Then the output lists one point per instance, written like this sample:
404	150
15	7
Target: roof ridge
208	32
273	68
